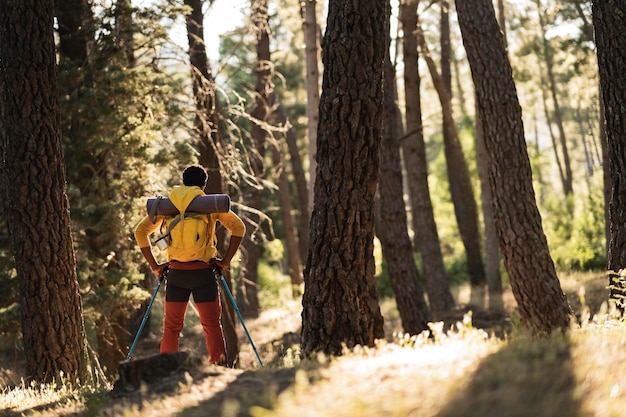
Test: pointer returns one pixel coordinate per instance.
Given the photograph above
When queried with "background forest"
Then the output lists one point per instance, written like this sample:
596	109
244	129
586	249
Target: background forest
138	102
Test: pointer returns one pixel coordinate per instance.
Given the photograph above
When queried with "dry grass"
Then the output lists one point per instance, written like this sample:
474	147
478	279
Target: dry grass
465	371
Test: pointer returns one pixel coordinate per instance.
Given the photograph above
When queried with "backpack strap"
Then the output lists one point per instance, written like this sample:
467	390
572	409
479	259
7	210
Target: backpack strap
153	209
179	218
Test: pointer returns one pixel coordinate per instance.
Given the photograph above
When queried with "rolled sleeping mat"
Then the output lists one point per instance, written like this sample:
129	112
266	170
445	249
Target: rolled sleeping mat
210	203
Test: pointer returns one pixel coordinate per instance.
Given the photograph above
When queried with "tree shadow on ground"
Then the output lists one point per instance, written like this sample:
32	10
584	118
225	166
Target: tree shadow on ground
527	377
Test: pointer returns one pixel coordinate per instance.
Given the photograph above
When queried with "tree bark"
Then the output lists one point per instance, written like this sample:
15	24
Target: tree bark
608	21
414	153
340	302
33	189
391	219
543	307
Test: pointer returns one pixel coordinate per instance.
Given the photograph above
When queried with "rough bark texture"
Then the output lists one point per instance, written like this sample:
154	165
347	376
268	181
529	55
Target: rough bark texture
340	302
391	219
542	304
609	20
209	142
414	154
34	193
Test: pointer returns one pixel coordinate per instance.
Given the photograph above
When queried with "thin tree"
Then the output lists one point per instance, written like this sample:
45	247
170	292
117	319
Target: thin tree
75	29
543	307
208	142
247	293
312	41
391	218
340	301
492	250
414	154
608	21
461	191
548	55
33	189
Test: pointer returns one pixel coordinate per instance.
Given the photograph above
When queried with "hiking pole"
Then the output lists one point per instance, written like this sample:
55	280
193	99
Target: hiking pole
218	271
145	316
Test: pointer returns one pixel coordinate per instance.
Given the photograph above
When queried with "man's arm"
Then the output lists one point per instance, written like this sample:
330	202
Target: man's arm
142	231
233	245
154	265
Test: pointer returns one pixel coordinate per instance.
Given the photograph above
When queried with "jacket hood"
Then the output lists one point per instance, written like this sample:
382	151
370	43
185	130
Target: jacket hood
181	196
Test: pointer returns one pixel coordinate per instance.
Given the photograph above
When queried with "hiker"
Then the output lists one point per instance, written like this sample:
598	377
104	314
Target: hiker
190	270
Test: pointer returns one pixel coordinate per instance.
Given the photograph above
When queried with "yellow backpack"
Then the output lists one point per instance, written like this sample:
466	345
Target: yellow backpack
188	236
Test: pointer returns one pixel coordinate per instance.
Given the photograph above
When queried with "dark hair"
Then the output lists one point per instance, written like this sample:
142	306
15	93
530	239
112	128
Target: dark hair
195	175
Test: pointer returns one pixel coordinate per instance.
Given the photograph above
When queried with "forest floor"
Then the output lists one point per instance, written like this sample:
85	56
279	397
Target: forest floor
478	364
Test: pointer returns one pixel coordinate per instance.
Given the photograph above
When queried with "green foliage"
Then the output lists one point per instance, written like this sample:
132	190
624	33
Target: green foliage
123	125
274	284
575	229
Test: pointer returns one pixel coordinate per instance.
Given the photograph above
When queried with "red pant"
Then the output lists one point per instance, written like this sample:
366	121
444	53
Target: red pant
210	314
181	284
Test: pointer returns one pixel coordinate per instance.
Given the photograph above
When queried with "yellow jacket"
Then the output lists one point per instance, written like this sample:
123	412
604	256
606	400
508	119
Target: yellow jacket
181	197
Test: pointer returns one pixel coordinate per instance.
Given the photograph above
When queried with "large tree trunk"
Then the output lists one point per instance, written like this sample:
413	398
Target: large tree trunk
34	193
608	21
391	219
208	135
542	304
414	154
340	302
461	191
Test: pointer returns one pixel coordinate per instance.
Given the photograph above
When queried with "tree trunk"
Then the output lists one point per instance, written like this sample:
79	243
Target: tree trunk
124	23
555	148
492	251
300	184
33	188
340	302
261	117
208	135
414	154
312	41
75	29
558	119
291	242
391	221
291	237
461	190
542	304
608	21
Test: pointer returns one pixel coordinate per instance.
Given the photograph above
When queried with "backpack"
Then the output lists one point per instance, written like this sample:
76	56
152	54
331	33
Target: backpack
188	236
